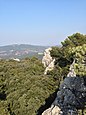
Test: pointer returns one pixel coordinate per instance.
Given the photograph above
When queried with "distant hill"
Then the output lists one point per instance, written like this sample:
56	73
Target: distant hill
21	51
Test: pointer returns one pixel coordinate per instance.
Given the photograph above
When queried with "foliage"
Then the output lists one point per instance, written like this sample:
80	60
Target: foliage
24	86
74	47
80	57
76	39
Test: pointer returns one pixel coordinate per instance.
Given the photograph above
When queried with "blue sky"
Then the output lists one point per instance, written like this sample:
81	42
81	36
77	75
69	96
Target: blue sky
40	22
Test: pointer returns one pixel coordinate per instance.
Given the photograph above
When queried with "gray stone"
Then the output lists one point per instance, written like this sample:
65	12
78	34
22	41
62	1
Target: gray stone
71	95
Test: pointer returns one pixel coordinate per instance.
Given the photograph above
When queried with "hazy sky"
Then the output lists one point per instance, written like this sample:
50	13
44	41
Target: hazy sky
40	22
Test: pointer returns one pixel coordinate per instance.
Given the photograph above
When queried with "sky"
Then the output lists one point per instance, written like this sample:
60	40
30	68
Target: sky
40	22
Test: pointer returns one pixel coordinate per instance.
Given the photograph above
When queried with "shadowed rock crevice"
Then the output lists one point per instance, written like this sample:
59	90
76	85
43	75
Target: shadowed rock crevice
84	80
48	103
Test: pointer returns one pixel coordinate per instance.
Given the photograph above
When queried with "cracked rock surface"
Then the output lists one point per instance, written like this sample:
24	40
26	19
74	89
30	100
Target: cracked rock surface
71	96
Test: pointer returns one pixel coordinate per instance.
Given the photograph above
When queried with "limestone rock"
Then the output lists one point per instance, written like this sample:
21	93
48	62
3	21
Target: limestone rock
53	110
50	67
47	57
16	59
71	70
48	61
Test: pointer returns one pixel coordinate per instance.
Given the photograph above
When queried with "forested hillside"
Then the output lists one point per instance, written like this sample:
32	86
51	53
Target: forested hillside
21	51
24	89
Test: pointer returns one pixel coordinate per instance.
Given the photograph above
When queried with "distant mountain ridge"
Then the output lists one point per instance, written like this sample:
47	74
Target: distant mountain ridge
21	51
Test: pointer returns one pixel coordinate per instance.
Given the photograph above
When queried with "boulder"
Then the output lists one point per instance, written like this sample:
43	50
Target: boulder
71	95
70	98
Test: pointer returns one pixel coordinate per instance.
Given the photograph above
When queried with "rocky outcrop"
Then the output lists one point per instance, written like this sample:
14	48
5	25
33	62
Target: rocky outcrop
70	97
53	110
48	61
16	59
47	57
71	70
50	67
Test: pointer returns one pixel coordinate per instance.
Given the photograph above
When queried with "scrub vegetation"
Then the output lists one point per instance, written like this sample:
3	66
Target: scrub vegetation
23	86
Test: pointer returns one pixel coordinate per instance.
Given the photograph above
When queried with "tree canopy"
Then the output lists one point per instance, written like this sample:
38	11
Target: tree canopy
24	88
74	47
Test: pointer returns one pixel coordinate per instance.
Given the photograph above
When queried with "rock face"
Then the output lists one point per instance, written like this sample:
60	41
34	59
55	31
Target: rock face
47	61
71	96
53	110
47	57
50	67
71	70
